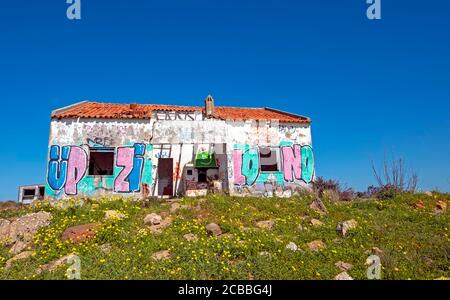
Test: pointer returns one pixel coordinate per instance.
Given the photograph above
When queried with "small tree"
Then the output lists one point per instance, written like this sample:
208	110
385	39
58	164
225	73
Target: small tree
394	176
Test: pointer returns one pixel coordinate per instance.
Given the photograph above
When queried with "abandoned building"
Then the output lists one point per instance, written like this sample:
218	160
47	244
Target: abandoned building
150	150
30	193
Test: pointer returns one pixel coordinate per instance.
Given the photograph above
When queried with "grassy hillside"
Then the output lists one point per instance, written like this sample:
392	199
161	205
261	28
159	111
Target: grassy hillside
413	239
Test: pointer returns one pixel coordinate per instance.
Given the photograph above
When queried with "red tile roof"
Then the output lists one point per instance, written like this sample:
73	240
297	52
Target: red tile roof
96	110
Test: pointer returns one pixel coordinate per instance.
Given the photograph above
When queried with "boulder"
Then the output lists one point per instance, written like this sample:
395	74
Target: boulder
23	255
19	246
441	206
190	237
265	224
106	248
343	265
316	245
25	228
80	233
50	267
316	223
213	229
113	215
161	255
318	206
152	219
292	246
343	276
4	231
156	229
343	227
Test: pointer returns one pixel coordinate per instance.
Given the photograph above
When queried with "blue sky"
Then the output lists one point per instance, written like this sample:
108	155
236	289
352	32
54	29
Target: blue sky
371	87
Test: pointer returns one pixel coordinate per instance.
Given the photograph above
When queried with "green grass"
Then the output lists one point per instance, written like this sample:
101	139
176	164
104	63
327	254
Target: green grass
415	242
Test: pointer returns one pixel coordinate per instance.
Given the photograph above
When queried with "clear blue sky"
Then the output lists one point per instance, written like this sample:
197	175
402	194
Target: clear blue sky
370	87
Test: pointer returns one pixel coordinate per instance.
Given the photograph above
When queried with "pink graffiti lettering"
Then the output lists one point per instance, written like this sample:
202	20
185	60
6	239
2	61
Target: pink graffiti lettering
237	164
125	160
76	168
292	162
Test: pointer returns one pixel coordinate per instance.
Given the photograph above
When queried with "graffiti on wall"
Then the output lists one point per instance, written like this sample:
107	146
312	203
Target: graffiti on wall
68	165
296	165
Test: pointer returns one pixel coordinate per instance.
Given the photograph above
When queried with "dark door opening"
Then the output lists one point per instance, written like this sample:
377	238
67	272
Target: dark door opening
165	177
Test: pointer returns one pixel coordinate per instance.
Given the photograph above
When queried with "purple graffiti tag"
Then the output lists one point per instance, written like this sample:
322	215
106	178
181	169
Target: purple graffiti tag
237	164
124	159
292	162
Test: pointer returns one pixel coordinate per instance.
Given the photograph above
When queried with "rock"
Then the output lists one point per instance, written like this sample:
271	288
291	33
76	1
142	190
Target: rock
161	255
428	193
190	237
106	248
419	205
4	231
50	267
440	207
292	246
316	245
25	228
343	276
80	233
264	253
23	255
343	265
156	229
114	215
344	227
174	207
318	206
213	229
152	219
19	246
316	223
265	224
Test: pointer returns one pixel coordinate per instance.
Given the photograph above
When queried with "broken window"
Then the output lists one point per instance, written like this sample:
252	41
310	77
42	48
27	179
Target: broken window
101	162
268	159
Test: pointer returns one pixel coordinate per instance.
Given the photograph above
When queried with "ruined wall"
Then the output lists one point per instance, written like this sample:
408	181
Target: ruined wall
292	147
139	145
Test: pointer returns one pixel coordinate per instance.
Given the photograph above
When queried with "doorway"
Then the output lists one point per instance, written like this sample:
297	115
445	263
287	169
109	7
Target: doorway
165	177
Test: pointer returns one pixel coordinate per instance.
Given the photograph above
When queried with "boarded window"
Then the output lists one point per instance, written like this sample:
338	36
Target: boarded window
268	159
101	162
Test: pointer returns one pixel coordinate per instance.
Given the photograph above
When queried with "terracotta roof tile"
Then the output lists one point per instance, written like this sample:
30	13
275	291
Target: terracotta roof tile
144	111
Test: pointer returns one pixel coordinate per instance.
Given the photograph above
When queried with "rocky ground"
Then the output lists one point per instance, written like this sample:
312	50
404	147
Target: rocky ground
222	237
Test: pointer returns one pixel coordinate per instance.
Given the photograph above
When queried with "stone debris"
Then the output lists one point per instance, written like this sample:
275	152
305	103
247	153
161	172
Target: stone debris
292	246
161	255
343	276
316	245
343	227
50	267
190	237
23	255
343	265
265	224
80	233
213	229
152	219
318	206
316	223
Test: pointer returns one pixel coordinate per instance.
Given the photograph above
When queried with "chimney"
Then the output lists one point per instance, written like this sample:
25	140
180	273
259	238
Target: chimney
209	106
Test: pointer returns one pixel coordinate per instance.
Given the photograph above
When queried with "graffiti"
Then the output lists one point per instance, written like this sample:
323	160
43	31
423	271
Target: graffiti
66	167
297	165
100	142
131	159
